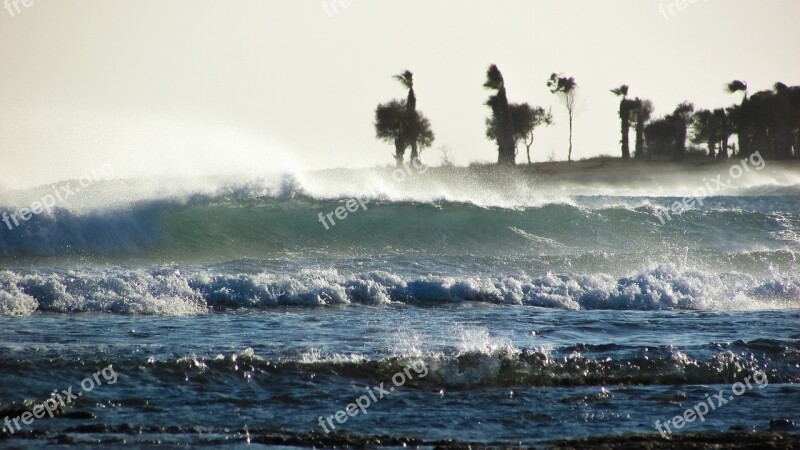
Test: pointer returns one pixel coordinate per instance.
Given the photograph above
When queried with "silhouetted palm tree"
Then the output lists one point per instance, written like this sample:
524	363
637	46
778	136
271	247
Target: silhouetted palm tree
737	86
660	135
726	129
741	116
786	119
682	118
707	128
501	115
794	95
407	80
644	110
626	108
767	121
734	113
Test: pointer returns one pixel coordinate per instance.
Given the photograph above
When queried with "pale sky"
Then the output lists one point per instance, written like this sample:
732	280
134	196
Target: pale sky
183	87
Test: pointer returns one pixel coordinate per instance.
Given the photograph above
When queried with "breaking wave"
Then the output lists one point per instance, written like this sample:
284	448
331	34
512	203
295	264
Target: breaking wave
171	292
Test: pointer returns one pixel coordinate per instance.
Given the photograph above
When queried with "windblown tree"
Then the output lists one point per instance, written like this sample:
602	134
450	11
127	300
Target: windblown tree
770	119
400	123
407	80
682	119
769	122
757	118
567	90
707	130
734	113
737	86
423	134
726	129
741	127
712	128
627	111
531	119
390	119
644	111
666	137
795	99
786	119
501	116
795	96
660	136
524	121
392	125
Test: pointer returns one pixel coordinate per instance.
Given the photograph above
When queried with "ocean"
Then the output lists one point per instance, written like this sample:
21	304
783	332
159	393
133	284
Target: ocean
476	306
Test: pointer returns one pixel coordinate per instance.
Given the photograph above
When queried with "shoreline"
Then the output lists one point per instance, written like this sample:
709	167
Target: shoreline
596	176
590	165
101	433
598	170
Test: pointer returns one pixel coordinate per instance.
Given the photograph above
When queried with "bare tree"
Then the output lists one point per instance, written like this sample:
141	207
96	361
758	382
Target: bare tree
567	90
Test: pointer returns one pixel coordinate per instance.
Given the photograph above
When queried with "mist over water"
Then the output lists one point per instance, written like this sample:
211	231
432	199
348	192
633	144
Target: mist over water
416	234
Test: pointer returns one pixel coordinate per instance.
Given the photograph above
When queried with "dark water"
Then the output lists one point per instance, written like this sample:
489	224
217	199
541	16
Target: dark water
492	372
233	315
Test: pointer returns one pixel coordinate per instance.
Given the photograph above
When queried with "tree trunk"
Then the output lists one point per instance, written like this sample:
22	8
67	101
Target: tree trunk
505	140
712	148
399	151
680	138
742	137
411	116
625	127
626	146
528	146
569	155
639	151
723	147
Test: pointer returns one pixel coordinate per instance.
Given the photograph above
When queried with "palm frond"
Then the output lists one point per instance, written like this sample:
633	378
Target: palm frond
622	90
736	86
406	79
494	78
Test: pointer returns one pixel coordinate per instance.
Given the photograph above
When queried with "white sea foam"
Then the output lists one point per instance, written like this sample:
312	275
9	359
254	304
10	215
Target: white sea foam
171	293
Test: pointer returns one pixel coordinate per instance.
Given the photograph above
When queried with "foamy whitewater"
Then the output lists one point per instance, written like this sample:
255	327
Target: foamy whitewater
235	310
